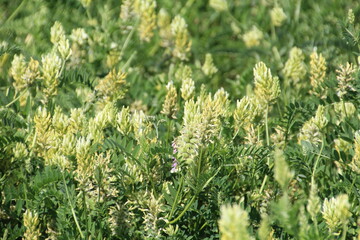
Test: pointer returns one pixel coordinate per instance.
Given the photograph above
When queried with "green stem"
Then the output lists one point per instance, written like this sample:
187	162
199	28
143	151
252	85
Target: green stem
127	40
184	211
188	4
267	127
17	10
169	123
71	206
267	143
343	237
125	66
21	94
233	18
316	227
62	67
273	35
344	106
263	184
176	197
317	162
297	11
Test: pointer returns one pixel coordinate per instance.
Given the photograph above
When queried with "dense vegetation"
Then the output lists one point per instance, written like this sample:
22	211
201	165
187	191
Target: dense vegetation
158	119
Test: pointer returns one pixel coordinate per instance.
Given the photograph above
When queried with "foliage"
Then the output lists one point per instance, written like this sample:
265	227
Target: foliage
154	119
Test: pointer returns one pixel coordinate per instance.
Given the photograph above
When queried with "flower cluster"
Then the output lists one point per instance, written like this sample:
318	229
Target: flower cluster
253	37
336	212
317	74
277	16
312	129
182	41
295	68
233	223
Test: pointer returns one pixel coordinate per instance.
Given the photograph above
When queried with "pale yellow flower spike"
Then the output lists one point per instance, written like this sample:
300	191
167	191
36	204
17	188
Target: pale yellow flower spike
147	19
277	16
233	223
181	38
253	37
31	222
170	104
317	74
295	68
209	67
336	213
267	87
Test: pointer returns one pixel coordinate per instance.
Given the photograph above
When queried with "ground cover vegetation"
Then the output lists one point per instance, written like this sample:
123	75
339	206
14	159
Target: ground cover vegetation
158	119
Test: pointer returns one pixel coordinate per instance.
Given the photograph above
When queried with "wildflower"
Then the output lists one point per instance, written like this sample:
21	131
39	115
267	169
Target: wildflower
265	232
140	125
267	87
244	113
253	37
282	174
219	5
42	120
351	16
51	66
295	68
60	121
345	79
57	33
278	138
233	223
222	103
20	150
174	166
31	223
355	163
342	145
344	110
164	21
187	88
201	124
68	144
64	49
127	10
123	123
182	43
112	87
44	136
147	19
189	141
209	68
277	16
211	111
175	147
102	163
312	129
95	130
77	120
313	205
304	224
170	103
83	159
317	74
152	208
18	68
60	160
79	36
336	212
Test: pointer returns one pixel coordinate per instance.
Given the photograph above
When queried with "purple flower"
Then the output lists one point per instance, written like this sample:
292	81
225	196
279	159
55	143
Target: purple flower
174	147
174	166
